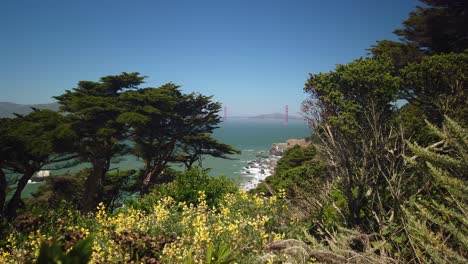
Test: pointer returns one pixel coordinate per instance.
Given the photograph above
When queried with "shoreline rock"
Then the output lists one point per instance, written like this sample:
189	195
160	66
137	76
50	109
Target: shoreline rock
278	149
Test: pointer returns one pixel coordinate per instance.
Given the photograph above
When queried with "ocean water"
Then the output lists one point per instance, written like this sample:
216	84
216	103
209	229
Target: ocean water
250	136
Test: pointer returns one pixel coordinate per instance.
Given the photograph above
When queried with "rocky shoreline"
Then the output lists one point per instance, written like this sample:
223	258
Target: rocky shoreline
259	169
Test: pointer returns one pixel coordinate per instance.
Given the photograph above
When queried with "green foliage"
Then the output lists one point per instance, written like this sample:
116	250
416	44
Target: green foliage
300	173
35	136
342	96
117	186
401	53
187	186
218	255
356	177
56	189
296	172
411	117
438	83
69	188
169	126
164	124
79	254
295	157
168	232
330	214
92	110
29	143
439	26
437	224
352	110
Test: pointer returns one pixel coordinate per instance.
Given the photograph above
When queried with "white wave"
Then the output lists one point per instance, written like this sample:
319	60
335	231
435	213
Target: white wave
253	176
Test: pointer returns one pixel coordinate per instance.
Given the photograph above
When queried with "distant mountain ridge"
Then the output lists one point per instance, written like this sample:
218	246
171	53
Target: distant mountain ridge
8	109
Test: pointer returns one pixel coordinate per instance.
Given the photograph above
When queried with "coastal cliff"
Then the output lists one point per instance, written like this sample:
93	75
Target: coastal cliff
278	149
265	163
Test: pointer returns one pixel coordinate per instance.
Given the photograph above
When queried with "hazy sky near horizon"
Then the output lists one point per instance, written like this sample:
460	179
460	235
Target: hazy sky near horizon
254	56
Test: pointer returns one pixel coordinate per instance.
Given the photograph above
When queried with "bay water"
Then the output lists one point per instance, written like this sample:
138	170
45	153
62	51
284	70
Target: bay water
250	136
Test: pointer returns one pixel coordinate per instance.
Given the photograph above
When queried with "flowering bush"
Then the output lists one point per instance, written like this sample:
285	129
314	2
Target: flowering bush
237	227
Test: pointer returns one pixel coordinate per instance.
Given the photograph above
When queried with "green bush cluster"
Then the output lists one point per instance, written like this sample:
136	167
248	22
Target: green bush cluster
186	187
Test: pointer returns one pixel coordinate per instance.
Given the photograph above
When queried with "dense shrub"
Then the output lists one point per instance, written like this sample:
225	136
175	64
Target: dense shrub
437	220
186	187
237	227
411	117
54	190
297	169
69	188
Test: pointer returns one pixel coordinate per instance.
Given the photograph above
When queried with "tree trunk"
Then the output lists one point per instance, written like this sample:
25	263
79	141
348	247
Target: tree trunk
15	200
93	186
189	163
150	178
151	175
3	190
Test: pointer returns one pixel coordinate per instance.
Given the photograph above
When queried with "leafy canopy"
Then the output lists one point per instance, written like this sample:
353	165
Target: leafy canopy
438	27
343	95
439	84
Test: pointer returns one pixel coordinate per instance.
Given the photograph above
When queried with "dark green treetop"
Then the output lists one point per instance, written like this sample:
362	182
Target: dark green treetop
439	84
169	126
401	53
438	27
93	109
31	142
352	109
343	95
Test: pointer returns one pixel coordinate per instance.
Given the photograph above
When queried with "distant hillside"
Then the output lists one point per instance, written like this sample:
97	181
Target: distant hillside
275	116
7	109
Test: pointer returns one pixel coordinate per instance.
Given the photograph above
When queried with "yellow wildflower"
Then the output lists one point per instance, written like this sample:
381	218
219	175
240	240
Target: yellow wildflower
258	200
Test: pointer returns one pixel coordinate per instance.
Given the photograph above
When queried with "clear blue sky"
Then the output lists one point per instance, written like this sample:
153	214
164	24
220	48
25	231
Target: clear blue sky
253	55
